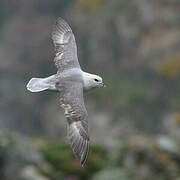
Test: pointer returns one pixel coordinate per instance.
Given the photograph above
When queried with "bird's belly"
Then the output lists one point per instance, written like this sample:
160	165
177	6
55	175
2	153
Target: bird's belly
74	75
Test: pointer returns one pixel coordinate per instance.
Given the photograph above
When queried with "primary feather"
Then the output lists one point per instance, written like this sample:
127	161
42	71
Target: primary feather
71	100
65	46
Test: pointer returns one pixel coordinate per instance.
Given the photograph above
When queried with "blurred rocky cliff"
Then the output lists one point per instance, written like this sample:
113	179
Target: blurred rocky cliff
136	158
134	45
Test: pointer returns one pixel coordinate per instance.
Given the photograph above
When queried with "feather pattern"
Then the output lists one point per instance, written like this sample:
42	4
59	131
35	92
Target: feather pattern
70	81
65	46
71	100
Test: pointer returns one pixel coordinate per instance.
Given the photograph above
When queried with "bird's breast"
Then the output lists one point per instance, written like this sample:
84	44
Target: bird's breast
74	75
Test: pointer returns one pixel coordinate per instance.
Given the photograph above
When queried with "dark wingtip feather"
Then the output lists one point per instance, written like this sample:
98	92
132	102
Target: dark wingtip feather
85	155
79	141
62	25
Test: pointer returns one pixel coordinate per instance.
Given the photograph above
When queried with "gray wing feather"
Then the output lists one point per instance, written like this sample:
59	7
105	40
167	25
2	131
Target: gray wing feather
65	46
71	100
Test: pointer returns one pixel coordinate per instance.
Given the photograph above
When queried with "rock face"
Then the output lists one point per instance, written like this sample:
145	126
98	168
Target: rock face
38	159
18	159
135	47
31	173
139	157
144	158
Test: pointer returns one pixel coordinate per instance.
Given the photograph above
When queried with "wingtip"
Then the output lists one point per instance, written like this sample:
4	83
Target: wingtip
84	156
62	25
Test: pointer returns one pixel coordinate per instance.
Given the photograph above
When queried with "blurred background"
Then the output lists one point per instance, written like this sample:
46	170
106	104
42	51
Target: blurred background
134	123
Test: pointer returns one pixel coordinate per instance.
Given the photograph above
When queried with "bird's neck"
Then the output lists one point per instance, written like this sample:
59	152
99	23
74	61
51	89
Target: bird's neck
87	81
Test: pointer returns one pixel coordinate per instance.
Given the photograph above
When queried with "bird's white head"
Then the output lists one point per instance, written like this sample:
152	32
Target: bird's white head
92	81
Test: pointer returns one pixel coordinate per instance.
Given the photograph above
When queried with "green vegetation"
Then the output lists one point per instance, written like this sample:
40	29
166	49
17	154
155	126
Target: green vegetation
138	157
61	159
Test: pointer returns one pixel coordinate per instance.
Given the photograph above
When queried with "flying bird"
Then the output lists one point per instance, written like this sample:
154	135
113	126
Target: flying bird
71	81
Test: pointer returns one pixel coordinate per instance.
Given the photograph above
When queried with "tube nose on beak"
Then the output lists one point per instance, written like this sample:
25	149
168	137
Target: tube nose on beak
104	86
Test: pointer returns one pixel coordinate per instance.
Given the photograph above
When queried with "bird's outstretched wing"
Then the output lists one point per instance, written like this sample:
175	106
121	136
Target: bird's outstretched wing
71	100
65	46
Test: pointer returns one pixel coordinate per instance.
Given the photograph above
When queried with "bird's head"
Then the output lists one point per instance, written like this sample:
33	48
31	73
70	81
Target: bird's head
92	81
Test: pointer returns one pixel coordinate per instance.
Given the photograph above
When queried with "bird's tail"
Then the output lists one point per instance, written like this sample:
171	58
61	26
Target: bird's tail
41	84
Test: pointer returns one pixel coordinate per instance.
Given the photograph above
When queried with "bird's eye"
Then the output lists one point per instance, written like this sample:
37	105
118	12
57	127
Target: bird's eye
96	80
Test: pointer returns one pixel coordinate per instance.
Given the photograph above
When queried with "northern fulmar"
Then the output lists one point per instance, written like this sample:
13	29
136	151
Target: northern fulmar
70	81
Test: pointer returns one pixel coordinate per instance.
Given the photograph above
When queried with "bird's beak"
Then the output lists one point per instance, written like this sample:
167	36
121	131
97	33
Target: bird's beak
104	86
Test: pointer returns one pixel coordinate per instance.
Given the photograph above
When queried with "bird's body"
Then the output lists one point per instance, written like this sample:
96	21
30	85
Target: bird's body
75	75
70	81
